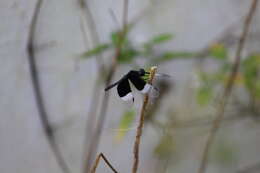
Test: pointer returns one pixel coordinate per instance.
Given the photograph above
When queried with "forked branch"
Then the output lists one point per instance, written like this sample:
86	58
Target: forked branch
101	155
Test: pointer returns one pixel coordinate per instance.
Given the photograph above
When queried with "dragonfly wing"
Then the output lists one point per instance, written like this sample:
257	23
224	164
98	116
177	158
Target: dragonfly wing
124	90
162	75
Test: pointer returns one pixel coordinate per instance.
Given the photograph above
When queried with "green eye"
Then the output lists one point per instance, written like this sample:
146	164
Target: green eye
145	77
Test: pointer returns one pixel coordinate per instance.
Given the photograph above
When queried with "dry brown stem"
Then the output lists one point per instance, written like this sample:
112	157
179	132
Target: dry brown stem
141	123
227	90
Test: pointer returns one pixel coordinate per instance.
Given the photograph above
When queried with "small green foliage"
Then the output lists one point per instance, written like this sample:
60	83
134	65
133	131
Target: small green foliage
218	51
128	52
251	73
115	38
170	55
161	38
209	81
225	153
204	95
125	123
165	147
97	50
127	55
127	119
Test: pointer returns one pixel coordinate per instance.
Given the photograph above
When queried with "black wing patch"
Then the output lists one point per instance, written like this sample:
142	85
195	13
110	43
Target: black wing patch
124	90
136	79
138	82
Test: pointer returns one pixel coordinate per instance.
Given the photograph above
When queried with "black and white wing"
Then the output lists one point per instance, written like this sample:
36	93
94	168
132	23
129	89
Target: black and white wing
124	90
138	82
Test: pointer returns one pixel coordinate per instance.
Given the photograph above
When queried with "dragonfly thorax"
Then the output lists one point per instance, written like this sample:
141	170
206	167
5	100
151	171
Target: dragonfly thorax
141	72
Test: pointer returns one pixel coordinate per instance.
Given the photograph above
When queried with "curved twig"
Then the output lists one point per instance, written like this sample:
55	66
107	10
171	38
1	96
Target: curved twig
37	90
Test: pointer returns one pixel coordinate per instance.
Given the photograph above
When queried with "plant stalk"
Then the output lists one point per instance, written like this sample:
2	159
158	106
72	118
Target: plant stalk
141	123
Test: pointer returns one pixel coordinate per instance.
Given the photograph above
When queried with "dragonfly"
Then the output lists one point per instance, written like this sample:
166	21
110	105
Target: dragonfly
135	77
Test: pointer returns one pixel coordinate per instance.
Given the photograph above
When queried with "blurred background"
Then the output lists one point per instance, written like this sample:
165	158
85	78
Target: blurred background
58	56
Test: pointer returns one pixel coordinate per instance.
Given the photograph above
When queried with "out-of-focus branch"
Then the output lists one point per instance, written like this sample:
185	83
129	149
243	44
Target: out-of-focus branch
95	97
228	89
141	123
101	155
87	15
37	90
95	138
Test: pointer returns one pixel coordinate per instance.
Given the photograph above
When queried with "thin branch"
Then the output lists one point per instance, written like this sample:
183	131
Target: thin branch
95	97
87	15
101	155
141	123
38	93
125	15
92	150
228	89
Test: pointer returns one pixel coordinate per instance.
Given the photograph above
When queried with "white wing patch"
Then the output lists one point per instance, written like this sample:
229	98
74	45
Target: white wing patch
128	97
146	89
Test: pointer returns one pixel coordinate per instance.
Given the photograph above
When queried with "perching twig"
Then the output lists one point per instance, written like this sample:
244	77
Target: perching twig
228	89
141	123
38	93
95	138
101	155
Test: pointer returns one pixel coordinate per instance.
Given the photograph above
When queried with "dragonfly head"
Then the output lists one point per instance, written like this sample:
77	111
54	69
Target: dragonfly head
142	72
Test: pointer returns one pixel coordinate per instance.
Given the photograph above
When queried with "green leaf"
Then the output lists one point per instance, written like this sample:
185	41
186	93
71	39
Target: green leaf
127	55
125	123
173	55
225	153
117	40
251	70
218	51
97	50
165	147
161	38
115	37
204	95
